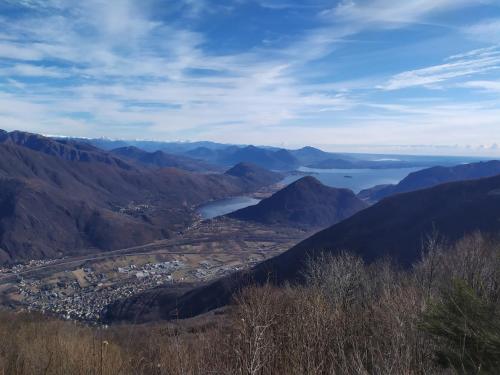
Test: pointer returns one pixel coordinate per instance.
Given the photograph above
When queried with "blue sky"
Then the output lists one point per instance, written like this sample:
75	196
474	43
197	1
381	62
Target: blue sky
415	76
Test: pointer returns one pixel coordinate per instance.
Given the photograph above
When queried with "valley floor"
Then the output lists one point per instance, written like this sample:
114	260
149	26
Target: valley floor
79	287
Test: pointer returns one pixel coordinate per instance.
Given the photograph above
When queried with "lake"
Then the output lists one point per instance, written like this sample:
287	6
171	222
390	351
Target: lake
225	206
358	180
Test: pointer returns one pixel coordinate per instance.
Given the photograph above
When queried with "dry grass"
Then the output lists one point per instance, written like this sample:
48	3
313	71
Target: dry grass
349	318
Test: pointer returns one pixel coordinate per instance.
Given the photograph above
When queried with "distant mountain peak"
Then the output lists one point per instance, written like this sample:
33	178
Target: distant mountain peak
251	147
306	180
253	175
161	159
243	168
309	148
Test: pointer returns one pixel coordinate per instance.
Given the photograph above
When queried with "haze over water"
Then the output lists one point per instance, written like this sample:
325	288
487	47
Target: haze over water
353	179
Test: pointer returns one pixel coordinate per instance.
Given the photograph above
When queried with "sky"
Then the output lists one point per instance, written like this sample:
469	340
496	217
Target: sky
412	76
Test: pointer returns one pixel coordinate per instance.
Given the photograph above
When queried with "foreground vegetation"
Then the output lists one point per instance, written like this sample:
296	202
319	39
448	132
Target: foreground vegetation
443	316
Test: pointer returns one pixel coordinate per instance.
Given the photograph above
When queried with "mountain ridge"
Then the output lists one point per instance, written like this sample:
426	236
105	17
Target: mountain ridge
394	228
61	197
161	159
434	176
306	203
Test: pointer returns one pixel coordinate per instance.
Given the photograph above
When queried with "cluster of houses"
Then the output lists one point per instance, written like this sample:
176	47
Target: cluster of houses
84	294
22	267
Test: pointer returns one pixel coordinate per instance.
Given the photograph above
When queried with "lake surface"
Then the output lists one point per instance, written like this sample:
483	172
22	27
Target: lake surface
225	206
357	180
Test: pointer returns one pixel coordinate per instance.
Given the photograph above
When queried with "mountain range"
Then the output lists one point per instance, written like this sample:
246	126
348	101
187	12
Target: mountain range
264	157
65	196
161	159
62	196
225	155
394	228
431	177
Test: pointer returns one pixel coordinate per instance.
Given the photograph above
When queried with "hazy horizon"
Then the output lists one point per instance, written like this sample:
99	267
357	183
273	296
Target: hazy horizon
373	76
395	150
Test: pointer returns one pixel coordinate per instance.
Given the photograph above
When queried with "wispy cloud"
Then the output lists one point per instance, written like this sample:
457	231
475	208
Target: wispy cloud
487	30
31	70
127	68
463	65
389	12
491	86
122	57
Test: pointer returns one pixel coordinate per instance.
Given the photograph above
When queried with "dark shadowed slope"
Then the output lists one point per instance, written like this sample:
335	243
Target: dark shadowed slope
393	228
252	176
58	197
161	159
431	177
63	149
306	204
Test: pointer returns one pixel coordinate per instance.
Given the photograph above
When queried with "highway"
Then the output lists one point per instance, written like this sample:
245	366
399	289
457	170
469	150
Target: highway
157	247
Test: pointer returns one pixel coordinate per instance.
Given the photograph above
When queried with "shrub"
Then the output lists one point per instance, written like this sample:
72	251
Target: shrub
467	330
348	318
